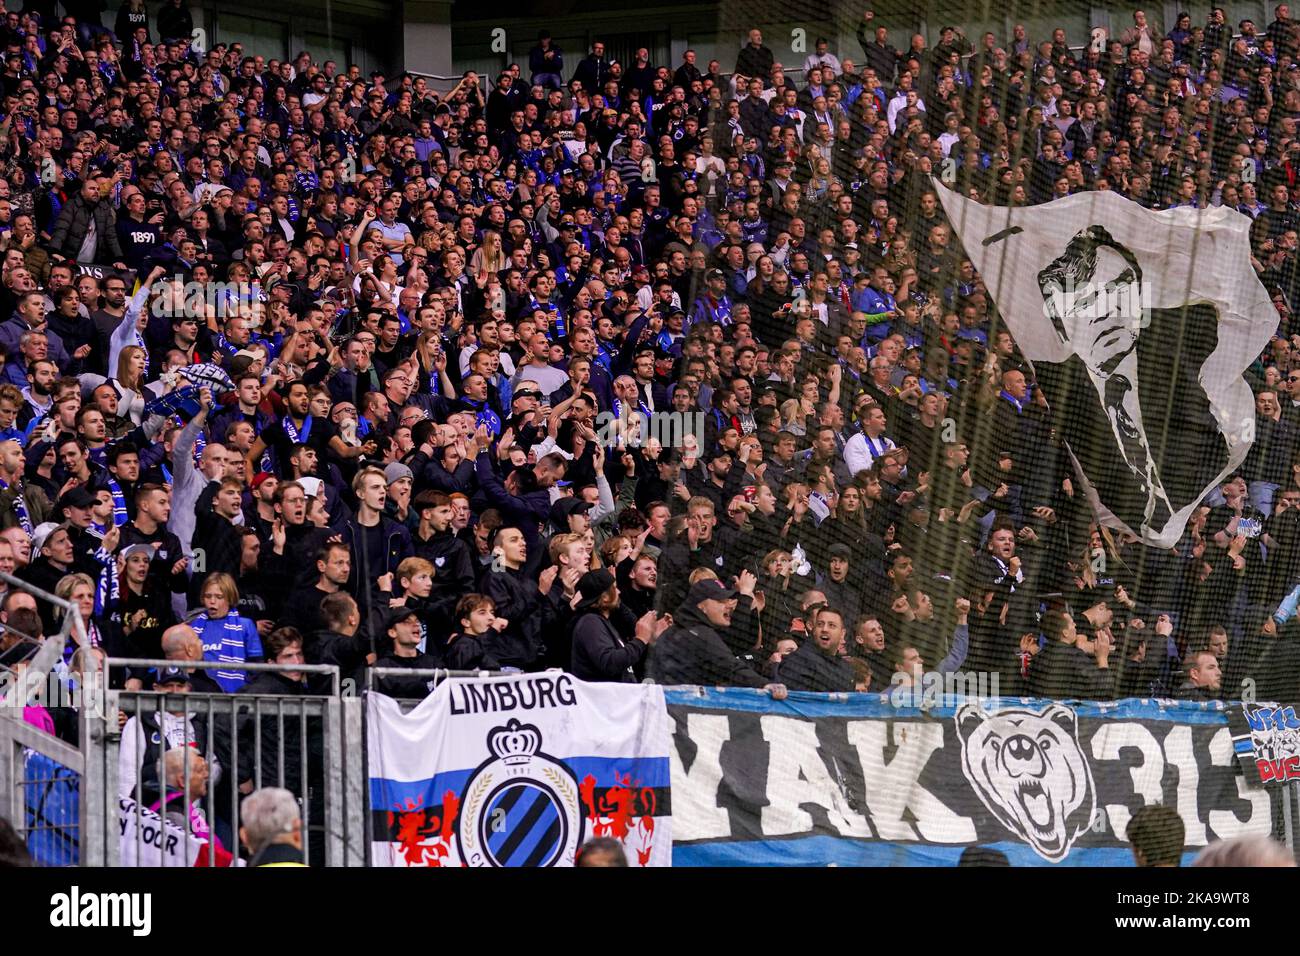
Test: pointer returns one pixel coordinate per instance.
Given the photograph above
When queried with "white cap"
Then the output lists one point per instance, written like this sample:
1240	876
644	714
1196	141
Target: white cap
42	531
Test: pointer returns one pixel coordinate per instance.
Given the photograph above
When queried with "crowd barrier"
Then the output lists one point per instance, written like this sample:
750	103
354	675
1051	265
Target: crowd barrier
739	779
73	805
506	770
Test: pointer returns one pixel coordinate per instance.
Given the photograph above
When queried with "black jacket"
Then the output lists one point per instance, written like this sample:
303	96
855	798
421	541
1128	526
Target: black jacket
677	561
409	688
810	669
600	653
346	652
465	652
167	551
222	546
1064	671
1190	691
692	652
174	21
69	230
519	601
302	610
453	569
279	734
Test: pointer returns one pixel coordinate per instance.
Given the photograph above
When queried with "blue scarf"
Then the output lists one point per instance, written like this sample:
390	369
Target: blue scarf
483	415
877	446
119	503
1015	402
183	402
108	588
139	340
640	407
557	323
291	430
20	509
233	649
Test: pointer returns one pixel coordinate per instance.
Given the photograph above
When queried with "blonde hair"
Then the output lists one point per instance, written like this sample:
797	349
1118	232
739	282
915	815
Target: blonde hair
359	481
493	260
224	584
559	543
702	574
410	567
67	584
124	368
772	557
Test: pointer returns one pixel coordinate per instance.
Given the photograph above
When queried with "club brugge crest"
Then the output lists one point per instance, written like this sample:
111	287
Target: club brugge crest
521	807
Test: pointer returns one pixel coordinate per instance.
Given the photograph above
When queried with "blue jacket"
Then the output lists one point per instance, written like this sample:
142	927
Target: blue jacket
11	332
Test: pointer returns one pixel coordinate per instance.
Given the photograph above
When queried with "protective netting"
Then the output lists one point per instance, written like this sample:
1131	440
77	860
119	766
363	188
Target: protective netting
1075	418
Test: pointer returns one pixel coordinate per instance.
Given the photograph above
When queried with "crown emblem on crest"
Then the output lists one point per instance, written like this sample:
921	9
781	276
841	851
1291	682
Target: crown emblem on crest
515	744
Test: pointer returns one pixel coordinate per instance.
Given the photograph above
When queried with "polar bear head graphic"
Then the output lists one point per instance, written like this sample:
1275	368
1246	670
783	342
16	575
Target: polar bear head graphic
1028	768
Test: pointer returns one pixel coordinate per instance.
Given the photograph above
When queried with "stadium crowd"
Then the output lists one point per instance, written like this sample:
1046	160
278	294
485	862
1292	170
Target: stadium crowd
638	370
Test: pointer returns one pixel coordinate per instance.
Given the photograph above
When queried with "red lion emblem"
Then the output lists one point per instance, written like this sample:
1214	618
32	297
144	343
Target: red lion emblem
614	813
425	838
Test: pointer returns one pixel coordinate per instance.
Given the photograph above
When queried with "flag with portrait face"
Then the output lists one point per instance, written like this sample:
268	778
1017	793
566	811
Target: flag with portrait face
1139	325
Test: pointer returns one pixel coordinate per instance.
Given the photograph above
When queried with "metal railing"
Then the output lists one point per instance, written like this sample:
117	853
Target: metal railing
149	663
309	744
40	774
73	806
52	647
437	673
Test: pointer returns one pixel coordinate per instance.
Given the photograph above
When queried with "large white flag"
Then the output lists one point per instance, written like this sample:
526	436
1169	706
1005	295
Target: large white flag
1139	325
520	771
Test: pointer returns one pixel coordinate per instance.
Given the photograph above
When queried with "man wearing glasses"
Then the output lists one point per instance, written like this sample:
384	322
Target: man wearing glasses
1290	401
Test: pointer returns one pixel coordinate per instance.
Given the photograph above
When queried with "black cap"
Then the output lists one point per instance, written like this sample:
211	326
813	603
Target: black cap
396	615
564	507
709	589
592	585
172	675
77	497
715	274
840	551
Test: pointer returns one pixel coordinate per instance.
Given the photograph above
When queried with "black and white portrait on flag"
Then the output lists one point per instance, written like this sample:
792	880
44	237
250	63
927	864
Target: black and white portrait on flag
1138	326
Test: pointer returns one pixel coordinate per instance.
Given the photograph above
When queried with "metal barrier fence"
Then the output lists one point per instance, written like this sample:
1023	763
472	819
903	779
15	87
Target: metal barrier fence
309	744
117	799
39	773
